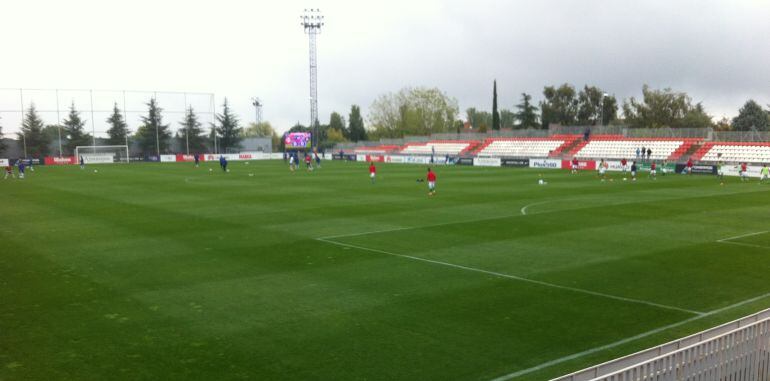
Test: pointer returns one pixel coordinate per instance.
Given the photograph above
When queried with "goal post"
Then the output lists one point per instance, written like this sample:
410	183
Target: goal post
102	154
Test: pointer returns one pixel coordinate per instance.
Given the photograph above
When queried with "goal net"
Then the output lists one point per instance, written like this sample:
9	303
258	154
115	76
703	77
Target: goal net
102	154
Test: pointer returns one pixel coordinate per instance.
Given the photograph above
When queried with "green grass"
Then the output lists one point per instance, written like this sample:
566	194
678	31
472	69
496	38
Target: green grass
167	272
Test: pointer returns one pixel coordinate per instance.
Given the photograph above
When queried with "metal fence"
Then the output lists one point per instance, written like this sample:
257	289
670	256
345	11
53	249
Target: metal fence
737	351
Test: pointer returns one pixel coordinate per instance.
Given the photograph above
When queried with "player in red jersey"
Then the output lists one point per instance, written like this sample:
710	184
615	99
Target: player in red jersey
653	172
575	165
372	171
623	166
744	171
689	166
9	172
308	162
431	182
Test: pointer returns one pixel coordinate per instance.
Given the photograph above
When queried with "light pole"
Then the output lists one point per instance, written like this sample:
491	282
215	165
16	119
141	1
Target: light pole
257	103
312	21
601	109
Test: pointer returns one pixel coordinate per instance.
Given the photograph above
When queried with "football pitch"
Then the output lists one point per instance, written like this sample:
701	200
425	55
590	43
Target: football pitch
170	272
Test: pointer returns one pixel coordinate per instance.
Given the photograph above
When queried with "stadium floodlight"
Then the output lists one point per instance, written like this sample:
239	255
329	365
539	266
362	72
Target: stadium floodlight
312	21
257	103
102	154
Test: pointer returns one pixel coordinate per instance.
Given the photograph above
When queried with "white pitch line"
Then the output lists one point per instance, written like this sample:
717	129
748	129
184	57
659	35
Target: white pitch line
524	209
742	236
522	279
626	340
744	244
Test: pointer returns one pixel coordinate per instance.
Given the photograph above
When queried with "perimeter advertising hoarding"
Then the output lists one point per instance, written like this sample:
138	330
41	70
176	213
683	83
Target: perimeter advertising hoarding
698	169
515	162
582	164
487	162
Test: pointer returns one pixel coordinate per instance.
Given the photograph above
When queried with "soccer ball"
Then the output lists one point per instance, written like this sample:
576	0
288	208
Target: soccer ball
624	179
211	170
251	175
247	163
96	170
228	171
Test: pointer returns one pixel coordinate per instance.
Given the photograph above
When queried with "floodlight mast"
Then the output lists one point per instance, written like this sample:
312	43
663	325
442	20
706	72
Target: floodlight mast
257	103
312	21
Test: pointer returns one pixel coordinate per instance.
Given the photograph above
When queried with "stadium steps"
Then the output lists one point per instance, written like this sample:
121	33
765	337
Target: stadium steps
570	141
689	147
702	151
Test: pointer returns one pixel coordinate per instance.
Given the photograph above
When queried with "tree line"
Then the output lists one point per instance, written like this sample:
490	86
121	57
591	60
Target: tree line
152	136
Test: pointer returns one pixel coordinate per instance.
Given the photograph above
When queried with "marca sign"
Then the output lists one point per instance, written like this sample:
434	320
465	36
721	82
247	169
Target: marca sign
545	163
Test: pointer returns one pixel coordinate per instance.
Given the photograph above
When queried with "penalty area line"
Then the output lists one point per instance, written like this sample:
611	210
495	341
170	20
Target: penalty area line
515	277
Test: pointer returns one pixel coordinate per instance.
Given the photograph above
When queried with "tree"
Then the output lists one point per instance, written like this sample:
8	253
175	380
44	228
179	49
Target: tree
664	108
335	136
413	111
507	118
337	122
191	134
610	112
118	131
495	114
527	114
751	115
228	129
723	124
153	135
356	128
559	106
32	135
73	129
478	119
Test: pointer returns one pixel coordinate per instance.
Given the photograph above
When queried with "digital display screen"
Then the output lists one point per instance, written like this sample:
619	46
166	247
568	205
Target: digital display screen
297	140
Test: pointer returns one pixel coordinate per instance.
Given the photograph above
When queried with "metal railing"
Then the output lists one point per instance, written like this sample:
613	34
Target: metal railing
738	351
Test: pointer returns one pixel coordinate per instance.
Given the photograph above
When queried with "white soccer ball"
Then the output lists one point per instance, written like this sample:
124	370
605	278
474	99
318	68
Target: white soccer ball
228	171
541	182
251	175
247	163
211	170
96	170
624	179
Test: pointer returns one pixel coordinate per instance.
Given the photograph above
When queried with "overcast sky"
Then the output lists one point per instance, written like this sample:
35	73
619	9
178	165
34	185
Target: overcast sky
717	51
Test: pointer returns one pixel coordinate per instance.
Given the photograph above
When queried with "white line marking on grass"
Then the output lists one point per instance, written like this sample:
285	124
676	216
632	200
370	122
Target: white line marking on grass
742	236
626	340
524	209
744	244
515	277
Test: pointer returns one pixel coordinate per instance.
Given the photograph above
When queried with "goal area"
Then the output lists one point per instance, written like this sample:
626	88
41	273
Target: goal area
102	154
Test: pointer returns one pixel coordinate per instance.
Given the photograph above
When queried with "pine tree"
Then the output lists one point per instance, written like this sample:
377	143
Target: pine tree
118	129
228	129
153	135
527	115
32	135
356	124
191	135
495	114
73	129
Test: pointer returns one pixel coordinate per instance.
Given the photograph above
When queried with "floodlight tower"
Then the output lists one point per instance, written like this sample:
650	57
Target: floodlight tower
312	21
257	103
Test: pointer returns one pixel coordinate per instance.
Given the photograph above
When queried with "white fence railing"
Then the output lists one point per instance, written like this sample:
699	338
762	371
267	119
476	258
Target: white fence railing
735	351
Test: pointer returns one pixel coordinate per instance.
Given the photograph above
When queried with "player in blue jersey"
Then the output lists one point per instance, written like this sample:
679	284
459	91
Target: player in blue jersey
21	166
223	163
